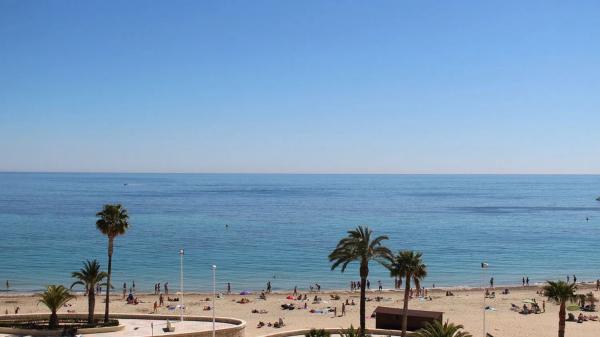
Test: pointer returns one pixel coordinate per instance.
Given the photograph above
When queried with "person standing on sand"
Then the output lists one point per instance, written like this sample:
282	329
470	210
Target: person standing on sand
568	279
380	286
166	288
543	305
597	284
268	286
228	288
574	279
527	281
124	289
492	283
295	290
133	285
334	311
344	309
368	285
7	285
523	281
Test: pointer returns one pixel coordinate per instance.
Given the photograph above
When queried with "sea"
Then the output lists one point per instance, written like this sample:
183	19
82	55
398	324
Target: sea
280	228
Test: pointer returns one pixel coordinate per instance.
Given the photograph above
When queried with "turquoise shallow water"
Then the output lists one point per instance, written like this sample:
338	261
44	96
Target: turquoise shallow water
281	227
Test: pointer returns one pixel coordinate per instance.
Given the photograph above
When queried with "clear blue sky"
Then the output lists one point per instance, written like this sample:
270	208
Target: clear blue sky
300	86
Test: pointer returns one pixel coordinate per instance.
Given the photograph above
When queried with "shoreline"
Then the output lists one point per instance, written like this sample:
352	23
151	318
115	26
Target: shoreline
580	285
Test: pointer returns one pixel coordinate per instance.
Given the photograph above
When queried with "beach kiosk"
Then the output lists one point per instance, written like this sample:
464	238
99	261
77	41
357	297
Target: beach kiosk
391	318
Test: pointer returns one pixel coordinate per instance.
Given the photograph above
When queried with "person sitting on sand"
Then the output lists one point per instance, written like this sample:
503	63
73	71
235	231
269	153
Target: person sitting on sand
580	318
263	296
525	309
352	303
260	324
206	308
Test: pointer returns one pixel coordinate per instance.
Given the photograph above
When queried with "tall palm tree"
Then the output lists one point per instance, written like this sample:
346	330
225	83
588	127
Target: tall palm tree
359	247
561	292
54	297
89	276
437	329
409	265
113	221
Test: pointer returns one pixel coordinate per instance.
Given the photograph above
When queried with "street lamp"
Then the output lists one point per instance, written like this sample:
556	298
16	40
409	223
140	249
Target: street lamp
484	267
214	270
181	253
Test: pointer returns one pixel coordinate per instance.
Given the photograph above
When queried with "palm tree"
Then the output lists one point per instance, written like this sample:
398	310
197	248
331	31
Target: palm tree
55	297
89	276
409	265
358	246
112	222
561	292
437	329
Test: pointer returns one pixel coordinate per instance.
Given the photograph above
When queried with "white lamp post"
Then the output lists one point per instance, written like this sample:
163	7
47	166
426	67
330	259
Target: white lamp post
181	253
484	267
214	270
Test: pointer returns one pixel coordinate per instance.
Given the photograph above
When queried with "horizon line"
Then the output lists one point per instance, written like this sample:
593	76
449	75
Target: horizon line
305	173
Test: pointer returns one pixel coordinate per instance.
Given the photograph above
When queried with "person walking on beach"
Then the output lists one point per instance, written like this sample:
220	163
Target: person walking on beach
133	285
568	279
527	281
295	290
492	283
597	284
166	288
574	279
318	287
523	281
161	300
380	286
334	311
124	289
543	305
7	285
268	286
228	288
343	309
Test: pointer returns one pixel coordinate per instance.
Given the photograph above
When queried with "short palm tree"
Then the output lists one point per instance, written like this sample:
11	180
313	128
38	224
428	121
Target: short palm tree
358	246
54	298
561	292
317	333
90	276
437	329
113	221
409	265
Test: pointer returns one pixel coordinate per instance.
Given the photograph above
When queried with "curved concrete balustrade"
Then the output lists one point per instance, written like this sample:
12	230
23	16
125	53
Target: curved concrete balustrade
237	330
335	331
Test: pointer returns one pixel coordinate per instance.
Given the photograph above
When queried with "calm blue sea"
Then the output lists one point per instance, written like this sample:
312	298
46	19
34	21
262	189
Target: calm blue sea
282	227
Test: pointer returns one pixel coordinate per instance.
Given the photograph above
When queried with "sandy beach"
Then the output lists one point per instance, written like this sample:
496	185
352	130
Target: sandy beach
463	308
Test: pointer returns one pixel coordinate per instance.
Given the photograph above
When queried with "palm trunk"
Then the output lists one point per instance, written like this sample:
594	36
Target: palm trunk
561	320
91	305
364	273
405	312
53	320
108	283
